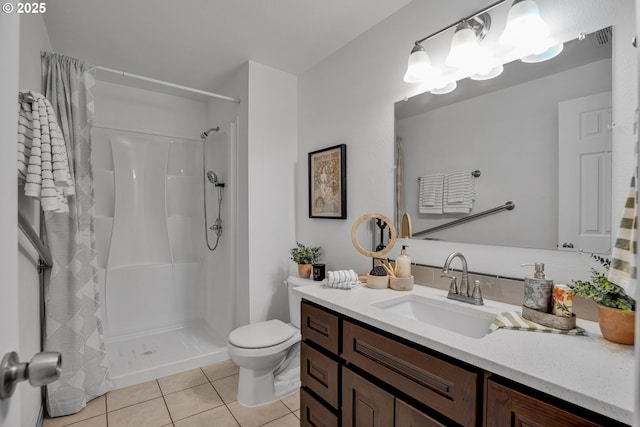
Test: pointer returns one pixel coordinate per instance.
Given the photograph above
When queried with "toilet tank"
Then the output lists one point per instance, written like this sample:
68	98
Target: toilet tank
295	299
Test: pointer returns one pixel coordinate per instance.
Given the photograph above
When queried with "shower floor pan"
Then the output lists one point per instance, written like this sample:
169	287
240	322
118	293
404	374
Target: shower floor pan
143	357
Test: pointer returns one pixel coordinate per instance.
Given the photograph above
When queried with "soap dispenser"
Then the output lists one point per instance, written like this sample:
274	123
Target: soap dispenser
403	263
538	289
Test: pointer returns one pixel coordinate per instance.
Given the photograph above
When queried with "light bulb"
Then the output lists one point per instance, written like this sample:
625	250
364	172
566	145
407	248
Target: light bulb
419	66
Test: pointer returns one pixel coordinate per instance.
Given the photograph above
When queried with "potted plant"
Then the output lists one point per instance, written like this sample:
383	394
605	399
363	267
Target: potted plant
616	310
305	257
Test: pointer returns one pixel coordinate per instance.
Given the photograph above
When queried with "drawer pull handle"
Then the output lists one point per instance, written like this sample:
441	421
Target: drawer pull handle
401	367
318	327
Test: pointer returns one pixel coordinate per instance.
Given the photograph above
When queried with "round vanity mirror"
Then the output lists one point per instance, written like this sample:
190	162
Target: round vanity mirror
375	231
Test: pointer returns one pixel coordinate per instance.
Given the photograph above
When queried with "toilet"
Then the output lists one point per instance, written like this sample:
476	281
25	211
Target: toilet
268	354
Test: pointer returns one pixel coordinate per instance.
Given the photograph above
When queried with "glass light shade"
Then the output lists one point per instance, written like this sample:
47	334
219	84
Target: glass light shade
525	29
447	88
464	48
492	73
548	54
419	66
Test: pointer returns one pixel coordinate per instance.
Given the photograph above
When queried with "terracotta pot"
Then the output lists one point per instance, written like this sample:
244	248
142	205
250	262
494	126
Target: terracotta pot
616	325
304	270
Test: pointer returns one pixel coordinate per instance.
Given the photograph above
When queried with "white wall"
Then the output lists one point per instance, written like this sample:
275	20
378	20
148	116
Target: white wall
349	97
33	39
10	409
272	140
524	130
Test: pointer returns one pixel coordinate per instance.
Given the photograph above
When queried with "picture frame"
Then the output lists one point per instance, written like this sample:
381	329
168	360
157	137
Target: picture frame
328	182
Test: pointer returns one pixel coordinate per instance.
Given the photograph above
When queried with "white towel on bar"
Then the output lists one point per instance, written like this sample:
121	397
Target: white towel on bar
342	279
430	193
43	164
459	192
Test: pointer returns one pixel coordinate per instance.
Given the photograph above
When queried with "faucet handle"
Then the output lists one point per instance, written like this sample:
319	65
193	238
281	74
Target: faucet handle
453	287
477	293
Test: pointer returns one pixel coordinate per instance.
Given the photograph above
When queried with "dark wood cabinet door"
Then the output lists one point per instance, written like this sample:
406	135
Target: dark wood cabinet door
508	407
320	326
408	416
315	414
363	403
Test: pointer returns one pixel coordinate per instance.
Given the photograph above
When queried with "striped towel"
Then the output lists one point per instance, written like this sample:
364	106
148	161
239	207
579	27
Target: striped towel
459	192
430	193
342	279
623	270
43	164
514	320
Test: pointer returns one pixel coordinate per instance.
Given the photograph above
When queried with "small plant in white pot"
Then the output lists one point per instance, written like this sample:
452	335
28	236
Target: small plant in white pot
305	257
616	310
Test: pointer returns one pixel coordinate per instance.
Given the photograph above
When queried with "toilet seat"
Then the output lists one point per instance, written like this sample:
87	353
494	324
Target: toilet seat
261	334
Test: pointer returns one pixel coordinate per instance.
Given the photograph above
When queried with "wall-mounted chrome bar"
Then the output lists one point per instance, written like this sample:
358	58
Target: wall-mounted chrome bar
38	244
509	206
476	173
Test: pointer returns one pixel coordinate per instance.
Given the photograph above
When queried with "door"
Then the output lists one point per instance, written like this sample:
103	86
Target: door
9	45
584	159
364	404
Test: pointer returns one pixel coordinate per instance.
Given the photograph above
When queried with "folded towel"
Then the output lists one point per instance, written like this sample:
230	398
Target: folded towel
43	164
430	193
514	320
459	192
343	279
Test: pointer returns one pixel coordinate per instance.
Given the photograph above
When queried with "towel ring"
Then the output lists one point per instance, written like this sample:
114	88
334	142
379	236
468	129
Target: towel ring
359	248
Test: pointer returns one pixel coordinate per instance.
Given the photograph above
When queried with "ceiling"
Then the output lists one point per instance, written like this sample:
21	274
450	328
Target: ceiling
199	43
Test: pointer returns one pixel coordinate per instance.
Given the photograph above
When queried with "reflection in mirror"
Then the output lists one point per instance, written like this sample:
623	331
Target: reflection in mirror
521	130
373	235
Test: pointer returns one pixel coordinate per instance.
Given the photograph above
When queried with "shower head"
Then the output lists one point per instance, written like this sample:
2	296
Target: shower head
213	178
206	133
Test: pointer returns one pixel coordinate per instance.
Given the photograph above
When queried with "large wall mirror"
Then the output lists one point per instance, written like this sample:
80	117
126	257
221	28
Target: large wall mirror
525	133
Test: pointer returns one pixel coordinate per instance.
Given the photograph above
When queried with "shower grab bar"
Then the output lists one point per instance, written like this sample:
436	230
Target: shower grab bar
45	260
509	206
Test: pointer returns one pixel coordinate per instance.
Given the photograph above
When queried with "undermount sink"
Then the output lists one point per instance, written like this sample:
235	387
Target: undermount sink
453	317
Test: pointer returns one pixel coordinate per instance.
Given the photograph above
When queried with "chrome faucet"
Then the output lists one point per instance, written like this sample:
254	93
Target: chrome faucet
463	294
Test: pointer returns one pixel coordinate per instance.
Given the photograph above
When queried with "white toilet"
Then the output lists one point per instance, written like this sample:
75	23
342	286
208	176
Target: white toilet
268	354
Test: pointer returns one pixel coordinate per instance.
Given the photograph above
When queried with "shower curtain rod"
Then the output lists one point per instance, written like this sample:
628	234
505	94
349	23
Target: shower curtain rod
163	83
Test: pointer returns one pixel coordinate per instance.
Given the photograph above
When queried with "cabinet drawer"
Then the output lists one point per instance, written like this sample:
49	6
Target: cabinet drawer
508	407
448	389
408	416
314	414
320	374
320	326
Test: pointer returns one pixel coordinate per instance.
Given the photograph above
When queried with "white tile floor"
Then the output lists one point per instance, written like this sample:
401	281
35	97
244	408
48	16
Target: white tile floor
202	397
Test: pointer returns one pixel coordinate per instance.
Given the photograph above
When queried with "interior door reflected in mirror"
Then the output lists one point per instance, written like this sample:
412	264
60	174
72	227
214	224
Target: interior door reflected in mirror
541	135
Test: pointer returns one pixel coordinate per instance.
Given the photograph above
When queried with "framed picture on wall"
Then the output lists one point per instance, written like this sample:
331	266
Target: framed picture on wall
328	183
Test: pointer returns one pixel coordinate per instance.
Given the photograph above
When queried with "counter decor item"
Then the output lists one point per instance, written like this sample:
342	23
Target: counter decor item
305	257
616	310
378	278
318	272
537	289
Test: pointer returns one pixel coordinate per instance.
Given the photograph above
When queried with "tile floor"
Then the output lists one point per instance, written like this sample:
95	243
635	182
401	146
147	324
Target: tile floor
202	397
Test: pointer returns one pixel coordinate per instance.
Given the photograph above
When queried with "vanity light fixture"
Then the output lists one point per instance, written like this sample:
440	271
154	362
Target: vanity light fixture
525	29
446	88
525	33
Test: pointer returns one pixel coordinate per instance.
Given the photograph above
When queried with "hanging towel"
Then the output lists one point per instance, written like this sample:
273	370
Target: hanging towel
514	320
430	193
459	192
623	270
342	279
43	165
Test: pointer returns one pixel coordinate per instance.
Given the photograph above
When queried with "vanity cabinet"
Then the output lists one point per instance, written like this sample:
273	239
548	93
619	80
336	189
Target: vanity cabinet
354	375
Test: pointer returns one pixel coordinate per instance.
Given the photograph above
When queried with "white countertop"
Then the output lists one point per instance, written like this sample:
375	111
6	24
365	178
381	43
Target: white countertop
588	371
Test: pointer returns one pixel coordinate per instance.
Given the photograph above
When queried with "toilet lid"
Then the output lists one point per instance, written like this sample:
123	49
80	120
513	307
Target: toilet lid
261	334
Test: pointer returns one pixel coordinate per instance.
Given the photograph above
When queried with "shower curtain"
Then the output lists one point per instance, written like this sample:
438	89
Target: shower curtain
72	302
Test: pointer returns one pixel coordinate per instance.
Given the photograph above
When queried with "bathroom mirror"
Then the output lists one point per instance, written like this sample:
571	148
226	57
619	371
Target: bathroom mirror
508	128
373	231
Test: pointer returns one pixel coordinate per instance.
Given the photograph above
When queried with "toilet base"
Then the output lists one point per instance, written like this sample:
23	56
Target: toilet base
259	388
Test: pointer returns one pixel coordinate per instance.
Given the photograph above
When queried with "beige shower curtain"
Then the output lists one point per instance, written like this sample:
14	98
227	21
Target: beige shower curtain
72	302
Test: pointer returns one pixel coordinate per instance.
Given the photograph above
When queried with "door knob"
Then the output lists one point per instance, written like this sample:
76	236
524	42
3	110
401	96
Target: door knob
567	245
44	368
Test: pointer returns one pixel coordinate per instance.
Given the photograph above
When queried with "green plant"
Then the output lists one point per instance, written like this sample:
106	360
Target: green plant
601	290
302	254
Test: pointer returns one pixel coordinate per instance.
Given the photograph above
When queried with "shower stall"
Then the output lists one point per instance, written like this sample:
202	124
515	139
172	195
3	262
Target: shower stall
167	300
